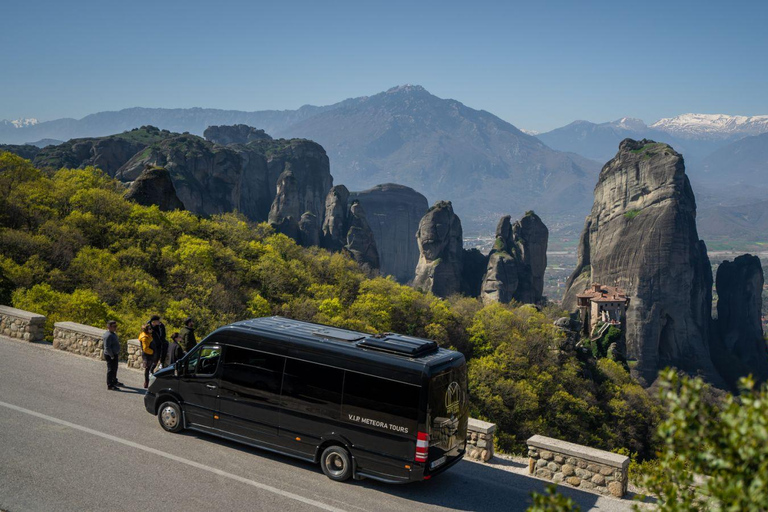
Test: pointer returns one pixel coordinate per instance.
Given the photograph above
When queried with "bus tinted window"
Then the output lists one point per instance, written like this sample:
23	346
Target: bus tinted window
382	403
252	369
313	388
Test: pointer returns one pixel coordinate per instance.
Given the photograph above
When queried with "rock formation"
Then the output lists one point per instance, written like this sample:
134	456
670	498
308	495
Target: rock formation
154	186
211	179
439	269
345	227
739	287
107	153
517	262
28	151
360	240
532	238
335	222
641	236
394	213
285	213
234	134
309	230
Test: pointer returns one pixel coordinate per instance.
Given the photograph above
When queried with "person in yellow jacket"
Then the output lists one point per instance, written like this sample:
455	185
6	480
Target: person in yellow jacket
147	352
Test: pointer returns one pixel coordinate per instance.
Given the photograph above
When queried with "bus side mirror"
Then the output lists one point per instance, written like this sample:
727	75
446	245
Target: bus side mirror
179	368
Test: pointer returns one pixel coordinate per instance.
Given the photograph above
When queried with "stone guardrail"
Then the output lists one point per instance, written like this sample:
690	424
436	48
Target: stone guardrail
79	339
134	354
578	466
23	325
480	440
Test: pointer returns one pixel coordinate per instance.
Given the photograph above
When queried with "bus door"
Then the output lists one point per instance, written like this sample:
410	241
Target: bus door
199	384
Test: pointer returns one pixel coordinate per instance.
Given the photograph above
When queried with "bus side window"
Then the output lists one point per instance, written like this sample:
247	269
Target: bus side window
251	369
313	388
205	361
393	402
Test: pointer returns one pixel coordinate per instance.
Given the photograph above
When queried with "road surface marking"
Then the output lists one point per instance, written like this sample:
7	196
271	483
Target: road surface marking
176	458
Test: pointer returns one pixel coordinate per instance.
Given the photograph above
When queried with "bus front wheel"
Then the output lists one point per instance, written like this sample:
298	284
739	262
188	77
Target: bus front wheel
336	463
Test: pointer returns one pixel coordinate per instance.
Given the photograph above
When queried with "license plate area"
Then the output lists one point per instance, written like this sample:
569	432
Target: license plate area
437	462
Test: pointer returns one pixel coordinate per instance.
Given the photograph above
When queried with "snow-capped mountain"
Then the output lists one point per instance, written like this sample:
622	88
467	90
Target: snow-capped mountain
715	126
19	123
529	132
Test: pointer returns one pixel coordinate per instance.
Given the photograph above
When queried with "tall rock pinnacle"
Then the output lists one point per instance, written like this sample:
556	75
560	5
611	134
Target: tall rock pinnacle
641	236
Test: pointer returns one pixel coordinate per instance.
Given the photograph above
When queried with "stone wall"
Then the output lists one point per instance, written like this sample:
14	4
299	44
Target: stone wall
134	354
578	466
480	440
23	325
79	339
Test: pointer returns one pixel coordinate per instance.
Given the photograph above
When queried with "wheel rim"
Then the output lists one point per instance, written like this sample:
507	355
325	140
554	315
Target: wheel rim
335	464
169	417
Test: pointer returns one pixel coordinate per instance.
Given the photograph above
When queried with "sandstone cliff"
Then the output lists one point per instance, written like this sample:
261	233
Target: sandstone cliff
234	134
394	212
360	240
641	236
107	153
155	187
739	287
335	221
439	269
517	262
211	178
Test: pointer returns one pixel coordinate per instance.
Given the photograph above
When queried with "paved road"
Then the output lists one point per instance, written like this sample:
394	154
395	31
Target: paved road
66	443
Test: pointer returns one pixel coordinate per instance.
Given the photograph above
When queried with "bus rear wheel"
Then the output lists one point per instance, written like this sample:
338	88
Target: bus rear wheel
336	463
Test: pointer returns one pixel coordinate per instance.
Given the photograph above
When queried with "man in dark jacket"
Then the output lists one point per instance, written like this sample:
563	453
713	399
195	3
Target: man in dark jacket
158	338
187	334
175	352
111	353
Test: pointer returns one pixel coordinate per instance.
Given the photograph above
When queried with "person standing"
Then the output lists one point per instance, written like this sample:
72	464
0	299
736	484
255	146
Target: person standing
160	341
147	352
175	352
187	333
111	354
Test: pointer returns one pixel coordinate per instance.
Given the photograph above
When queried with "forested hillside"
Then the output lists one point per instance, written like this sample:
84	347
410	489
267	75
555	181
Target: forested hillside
73	248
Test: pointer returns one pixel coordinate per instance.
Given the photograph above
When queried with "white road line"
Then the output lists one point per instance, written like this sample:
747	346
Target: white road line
176	458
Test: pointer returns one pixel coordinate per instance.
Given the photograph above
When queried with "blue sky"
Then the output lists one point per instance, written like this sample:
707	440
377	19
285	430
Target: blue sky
538	65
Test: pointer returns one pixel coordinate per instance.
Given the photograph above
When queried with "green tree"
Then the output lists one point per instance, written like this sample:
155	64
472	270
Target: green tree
552	501
713	457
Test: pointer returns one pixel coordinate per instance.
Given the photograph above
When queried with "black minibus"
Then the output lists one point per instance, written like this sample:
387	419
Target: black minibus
388	407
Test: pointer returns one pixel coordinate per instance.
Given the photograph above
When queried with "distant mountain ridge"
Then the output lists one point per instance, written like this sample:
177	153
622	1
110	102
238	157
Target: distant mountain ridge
715	126
406	135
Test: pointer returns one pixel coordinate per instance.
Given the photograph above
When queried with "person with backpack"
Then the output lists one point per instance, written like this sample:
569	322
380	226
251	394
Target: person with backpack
175	352
187	333
161	343
147	352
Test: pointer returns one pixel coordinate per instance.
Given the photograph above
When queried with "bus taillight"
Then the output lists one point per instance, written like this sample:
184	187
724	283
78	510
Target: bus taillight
422	447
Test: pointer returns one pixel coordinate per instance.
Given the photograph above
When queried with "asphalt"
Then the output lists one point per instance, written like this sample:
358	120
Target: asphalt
66	443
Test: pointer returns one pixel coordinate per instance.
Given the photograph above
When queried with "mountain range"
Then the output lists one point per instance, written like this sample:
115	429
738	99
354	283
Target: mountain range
486	166
406	135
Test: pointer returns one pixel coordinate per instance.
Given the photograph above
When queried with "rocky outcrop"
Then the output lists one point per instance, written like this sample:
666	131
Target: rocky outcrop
531	237
739	286
28	151
285	213
394	213
211	178
439	269
346	228
641	236
335	221
107	153
234	134
155	187
309	230
361	244
517	262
